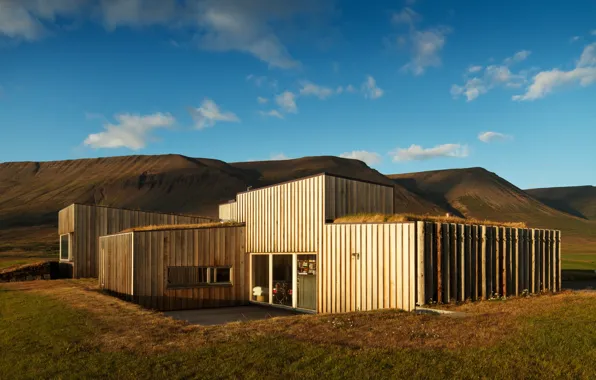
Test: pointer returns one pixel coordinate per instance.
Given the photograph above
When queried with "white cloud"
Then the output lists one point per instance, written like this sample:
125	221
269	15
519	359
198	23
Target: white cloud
278	157
287	101
262	100
425	45
488	137
311	89
418	153
272	113
138	13
518	57
350	88
208	114
217	25
369	158
370	88
593	32
231	25
575	38
131	131
262	80
426	48
479	80
545	82
24	19
405	16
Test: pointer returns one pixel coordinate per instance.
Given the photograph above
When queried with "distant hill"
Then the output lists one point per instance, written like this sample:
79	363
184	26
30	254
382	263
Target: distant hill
33	192
478	193
576	200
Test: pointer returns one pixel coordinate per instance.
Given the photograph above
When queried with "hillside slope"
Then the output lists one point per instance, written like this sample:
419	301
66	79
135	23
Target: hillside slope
31	193
576	200
478	193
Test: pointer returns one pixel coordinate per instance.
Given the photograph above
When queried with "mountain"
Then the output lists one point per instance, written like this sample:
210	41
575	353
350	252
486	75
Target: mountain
575	200
31	193
478	193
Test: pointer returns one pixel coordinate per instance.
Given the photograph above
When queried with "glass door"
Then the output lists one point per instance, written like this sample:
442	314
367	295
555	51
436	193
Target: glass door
306	281
260	278
282	280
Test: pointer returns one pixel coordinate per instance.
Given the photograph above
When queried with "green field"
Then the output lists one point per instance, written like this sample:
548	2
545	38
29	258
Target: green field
68	329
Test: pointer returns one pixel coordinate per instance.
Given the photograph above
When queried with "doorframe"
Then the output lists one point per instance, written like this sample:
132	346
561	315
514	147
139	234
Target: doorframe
294	279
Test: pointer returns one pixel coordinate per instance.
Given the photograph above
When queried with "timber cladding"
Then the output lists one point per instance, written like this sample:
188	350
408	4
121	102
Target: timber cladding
367	266
457	262
86	223
290	217
155	255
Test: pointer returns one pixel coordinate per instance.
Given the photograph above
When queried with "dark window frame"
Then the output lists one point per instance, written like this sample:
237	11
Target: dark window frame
210	276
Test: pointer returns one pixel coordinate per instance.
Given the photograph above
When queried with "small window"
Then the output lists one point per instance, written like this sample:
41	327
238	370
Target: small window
64	247
187	276
222	275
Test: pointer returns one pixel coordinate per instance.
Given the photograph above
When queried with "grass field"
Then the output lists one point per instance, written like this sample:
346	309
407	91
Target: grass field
69	329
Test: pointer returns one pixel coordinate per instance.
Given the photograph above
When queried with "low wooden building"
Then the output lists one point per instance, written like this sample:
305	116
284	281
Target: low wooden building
169	269
293	255
80	226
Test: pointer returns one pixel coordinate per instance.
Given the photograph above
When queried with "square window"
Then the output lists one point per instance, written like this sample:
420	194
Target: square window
222	275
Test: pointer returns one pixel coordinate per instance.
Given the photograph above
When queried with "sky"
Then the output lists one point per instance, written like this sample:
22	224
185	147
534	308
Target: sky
404	86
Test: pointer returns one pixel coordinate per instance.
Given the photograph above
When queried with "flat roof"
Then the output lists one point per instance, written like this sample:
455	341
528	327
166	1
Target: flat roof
146	211
316	175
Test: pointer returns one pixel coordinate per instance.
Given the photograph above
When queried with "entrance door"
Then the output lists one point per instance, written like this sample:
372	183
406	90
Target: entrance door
282	280
306	281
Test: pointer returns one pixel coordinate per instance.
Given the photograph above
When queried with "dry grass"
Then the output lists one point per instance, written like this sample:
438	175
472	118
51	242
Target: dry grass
162	227
400	218
127	326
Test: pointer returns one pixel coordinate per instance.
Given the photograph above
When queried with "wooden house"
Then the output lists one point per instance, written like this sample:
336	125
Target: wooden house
80	226
293	255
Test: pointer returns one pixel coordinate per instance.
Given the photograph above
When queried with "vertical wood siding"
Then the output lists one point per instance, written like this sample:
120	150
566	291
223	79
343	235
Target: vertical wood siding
347	197
66	220
90	222
115	264
228	211
458	262
284	218
367	267
155	251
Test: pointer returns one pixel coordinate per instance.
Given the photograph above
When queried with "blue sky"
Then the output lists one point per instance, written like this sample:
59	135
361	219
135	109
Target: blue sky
405	86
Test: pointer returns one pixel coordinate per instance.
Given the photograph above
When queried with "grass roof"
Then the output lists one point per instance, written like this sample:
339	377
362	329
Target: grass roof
163	227
400	218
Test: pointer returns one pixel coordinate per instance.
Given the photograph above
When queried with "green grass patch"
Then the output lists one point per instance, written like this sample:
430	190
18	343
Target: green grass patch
41	337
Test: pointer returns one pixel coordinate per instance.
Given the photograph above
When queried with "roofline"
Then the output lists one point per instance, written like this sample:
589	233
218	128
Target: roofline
317	175
179	229
146	211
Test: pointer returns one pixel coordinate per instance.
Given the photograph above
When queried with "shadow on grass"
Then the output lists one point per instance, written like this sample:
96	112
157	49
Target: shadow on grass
579	279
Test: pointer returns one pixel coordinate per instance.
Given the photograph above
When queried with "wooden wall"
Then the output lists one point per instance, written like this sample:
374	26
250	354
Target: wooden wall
115	263
154	251
347	197
228	211
284	218
457	262
66	220
367	267
91	222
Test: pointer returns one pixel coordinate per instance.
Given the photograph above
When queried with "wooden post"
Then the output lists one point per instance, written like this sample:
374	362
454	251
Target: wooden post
533	285
559	270
462	262
483	261
447	262
421	266
516	244
439	263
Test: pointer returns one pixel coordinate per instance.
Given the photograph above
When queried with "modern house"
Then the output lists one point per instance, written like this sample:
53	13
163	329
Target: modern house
285	249
80	226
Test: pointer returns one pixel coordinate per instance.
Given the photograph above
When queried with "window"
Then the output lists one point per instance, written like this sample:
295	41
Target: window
222	275
64	247
189	277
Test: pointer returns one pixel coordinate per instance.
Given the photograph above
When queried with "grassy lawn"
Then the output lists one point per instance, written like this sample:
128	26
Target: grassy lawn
68	329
